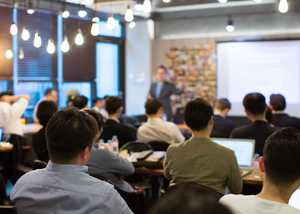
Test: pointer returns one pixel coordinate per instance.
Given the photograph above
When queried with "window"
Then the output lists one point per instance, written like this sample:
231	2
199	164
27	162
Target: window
107	69
104	31
83	88
3	85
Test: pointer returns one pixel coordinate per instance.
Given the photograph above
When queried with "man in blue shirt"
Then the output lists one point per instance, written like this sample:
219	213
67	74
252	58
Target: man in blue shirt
64	185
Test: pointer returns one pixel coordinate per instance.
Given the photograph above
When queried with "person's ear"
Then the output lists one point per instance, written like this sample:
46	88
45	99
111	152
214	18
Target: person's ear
211	122
85	155
261	162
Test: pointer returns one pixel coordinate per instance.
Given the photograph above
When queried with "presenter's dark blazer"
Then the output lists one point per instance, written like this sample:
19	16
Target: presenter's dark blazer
125	133
167	90
284	120
258	130
222	127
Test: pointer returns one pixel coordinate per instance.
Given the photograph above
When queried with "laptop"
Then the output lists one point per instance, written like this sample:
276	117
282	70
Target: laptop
243	150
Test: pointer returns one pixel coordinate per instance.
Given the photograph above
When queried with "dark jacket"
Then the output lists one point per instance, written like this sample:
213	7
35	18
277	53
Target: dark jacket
259	131
40	145
125	133
167	90
284	120
222	127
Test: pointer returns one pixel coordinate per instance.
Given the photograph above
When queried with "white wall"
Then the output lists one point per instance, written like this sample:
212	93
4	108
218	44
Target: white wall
138	66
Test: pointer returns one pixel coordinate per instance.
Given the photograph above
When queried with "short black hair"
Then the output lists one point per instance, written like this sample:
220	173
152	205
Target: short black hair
113	104
188	201
98	117
152	106
281	156
80	101
255	103
68	133
45	111
49	91
278	102
98	99
197	114
6	93
222	104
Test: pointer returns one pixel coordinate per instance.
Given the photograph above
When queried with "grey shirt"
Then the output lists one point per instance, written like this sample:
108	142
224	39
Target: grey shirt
111	167
65	189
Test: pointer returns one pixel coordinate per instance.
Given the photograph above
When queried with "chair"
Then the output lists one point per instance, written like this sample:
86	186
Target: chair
38	164
136	147
205	190
8	209
159	145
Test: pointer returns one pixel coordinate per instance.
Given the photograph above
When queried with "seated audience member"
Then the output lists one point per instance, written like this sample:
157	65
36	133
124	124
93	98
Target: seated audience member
80	102
280	164
156	129
199	159
49	95
45	111
222	125
280	118
188	201
99	106
107	164
269	115
259	129
113	127
64	185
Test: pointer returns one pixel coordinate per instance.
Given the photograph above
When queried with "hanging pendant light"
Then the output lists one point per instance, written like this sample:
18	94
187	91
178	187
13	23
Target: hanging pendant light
13	29
21	54
25	35
51	47
37	41
65	46
79	39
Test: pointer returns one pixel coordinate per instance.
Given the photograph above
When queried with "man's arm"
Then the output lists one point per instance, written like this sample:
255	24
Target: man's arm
19	106
118	165
179	138
235	183
166	165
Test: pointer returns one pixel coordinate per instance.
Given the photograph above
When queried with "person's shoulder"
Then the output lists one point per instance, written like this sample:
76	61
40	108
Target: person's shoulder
31	177
237	200
239	131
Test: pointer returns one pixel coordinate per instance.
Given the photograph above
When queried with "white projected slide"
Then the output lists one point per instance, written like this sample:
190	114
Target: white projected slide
265	67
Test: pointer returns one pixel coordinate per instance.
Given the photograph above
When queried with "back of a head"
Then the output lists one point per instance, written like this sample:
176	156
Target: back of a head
98	99
98	117
197	114
68	133
281	156
152	106
188	202
255	103
45	111
222	104
80	101
113	104
278	102
6	93
48	91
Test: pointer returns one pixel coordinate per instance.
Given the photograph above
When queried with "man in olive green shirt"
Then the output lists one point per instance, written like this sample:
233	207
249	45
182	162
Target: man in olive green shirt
199	159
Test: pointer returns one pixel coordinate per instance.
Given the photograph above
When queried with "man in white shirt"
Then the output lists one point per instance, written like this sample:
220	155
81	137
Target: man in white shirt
156	129
99	106
280	164
11	110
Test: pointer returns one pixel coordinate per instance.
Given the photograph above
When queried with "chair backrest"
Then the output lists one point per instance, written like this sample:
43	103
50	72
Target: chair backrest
159	145
136	147
205	190
8	209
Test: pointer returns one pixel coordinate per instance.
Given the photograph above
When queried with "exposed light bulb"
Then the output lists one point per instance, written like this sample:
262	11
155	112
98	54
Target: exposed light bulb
147	6
129	15
65	46
111	23
283	6
230	25
65	14
132	25
95	19
25	35
82	13
139	7
21	54
13	29
223	1
79	39
167	1
51	47
95	29
37	41
30	11
9	54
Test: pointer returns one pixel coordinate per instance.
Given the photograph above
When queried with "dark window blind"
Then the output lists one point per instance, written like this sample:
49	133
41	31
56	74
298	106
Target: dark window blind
37	64
5	43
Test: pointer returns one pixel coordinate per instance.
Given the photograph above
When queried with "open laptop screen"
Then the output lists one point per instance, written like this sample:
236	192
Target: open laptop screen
243	149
